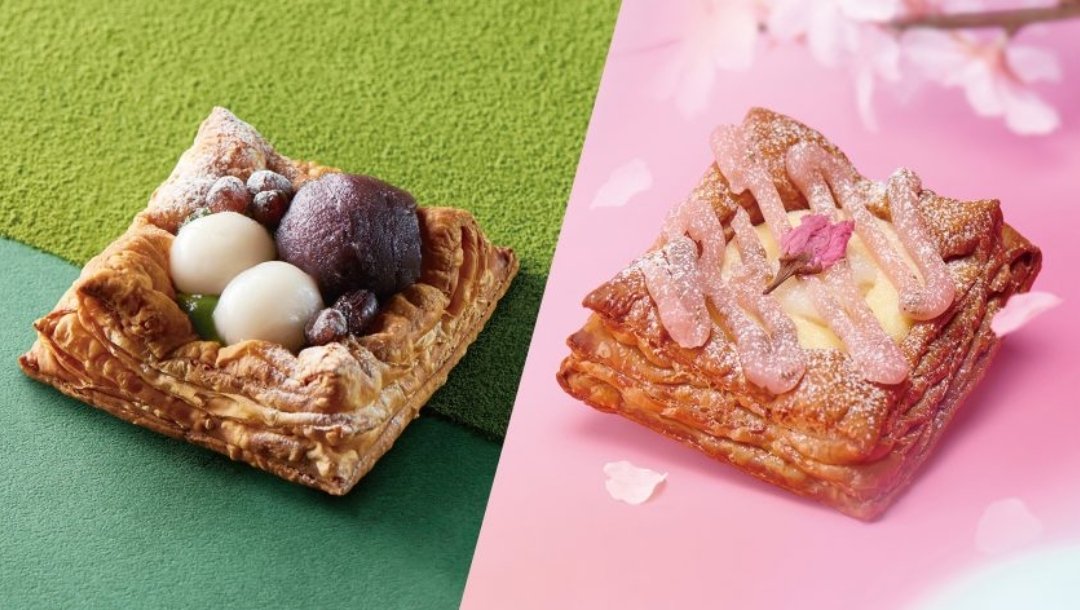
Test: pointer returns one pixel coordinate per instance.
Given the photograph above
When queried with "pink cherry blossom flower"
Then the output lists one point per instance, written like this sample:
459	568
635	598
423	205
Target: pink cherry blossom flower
813	246
995	74
718	35
819	242
845	32
878	59
830	27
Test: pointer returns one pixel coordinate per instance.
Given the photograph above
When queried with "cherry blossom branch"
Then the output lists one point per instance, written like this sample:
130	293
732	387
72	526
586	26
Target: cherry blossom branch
1011	20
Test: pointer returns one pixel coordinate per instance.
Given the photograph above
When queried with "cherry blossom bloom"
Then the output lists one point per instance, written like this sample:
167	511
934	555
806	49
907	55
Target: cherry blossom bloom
830	27
631	484
812	247
996	74
845	32
878	58
719	35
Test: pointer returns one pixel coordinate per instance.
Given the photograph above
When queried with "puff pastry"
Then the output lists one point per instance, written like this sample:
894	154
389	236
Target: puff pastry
118	340
813	410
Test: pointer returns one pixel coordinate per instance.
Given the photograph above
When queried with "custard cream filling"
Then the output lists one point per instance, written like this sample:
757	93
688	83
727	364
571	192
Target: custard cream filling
879	293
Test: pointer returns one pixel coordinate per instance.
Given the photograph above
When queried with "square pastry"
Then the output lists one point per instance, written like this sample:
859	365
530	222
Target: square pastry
810	326
308	367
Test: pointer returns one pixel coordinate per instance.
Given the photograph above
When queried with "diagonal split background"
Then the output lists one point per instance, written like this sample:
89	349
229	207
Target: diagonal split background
480	105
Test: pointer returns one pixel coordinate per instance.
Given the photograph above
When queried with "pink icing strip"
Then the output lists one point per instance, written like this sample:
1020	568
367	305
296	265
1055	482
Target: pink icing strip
849	317
750	249
769	363
940	290
737	157
788	361
810	167
775	360
879	358
884	355
676	289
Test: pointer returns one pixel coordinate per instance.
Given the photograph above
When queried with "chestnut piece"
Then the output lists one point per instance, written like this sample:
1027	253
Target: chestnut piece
351	232
327	326
359	307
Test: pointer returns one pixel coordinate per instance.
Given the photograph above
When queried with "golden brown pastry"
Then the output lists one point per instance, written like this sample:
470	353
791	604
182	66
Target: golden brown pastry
119	341
838	384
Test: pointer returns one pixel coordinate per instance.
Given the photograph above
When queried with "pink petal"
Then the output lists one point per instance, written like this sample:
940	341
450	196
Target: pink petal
825	33
797	241
734	36
836	246
880	50
982	87
870	10
719	35
789	19
817	238
687	80
625	182
1021	309
864	98
877	55
1007	525
1031	64
1027	114
628	483
937	55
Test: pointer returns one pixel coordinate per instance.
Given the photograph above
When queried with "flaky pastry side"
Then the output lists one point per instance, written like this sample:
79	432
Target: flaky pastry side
837	438
118	340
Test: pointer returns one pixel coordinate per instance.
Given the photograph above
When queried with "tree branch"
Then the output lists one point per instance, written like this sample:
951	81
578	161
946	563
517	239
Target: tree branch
1011	20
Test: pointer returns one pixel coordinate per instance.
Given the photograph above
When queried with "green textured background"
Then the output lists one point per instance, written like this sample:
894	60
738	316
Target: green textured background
477	104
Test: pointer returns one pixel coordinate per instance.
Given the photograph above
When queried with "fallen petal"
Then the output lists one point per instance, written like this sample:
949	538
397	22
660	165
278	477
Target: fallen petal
626	181
630	484
1021	309
1006	525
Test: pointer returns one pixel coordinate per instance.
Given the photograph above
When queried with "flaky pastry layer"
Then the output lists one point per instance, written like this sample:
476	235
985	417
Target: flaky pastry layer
118	340
844	441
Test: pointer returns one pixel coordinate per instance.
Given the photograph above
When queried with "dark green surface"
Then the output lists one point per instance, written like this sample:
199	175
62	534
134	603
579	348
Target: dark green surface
480	104
100	513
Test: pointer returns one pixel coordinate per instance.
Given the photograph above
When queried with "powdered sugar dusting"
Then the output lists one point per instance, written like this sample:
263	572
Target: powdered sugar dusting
223	146
775	364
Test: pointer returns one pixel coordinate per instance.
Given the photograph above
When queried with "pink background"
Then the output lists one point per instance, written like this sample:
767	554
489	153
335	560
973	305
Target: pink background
713	536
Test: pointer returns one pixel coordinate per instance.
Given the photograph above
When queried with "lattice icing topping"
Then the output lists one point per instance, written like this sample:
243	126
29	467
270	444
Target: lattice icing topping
864	304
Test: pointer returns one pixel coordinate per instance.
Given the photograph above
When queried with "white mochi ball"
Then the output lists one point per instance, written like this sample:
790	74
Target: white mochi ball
209	252
272	301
